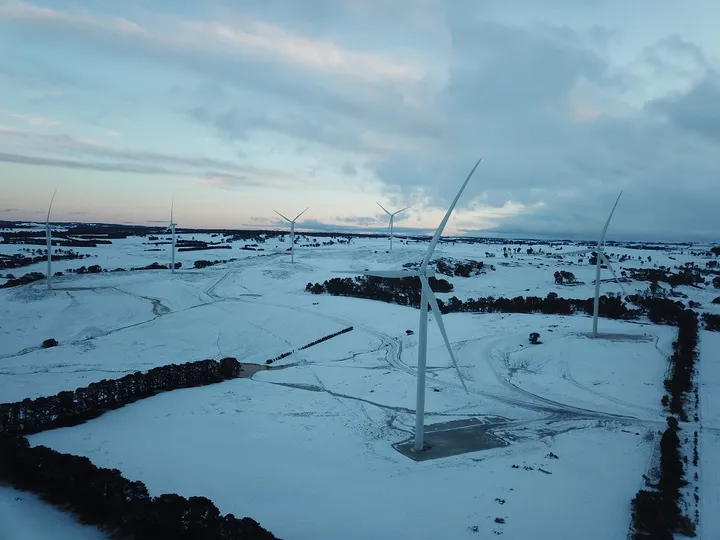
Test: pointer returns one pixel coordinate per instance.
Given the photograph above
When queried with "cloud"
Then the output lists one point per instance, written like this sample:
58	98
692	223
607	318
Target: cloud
8	210
695	110
35	120
359	221
74	164
238	35
210	171
565	113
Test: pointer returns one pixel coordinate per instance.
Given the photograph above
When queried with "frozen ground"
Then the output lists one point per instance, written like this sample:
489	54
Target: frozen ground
307	450
24	517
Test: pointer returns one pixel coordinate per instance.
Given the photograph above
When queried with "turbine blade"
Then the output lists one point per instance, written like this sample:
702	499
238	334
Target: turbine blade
402	210
612	270
279	214
439	231
300	214
438	319
172	209
47	220
381	206
607	223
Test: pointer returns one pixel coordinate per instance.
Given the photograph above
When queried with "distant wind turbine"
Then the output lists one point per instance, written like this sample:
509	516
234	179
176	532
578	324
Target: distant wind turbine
427	295
292	231
601	259
392	219
171	228
48	240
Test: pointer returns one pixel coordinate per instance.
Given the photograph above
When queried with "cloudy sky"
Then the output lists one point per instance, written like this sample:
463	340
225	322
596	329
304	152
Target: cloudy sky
242	106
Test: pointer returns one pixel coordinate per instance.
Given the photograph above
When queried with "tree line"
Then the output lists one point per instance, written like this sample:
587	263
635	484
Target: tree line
682	365
656	513
70	408
105	498
406	292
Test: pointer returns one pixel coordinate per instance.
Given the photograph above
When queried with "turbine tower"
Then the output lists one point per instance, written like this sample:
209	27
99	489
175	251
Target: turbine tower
292	231
601	259
392	219
48	240
171	228
427	296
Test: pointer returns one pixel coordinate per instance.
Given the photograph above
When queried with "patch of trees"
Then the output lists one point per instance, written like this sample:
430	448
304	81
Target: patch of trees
71	408
157	266
105	498
205	264
715	250
565	278
682	364
37	238
658	309
716	300
19	260
199	245
684	276
656	514
452	267
712	322
23	280
716	282
402	291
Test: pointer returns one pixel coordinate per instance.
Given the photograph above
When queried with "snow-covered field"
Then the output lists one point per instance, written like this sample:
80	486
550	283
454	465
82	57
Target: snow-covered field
308	450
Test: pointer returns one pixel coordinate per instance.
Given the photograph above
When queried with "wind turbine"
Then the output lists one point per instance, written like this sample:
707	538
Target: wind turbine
392	219
48	240
292	231
601	259
171	228
427	295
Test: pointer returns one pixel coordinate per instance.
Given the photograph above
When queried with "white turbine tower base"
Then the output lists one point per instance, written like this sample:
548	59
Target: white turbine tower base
427	297
292	231
48	241
171	228
601	259
392	220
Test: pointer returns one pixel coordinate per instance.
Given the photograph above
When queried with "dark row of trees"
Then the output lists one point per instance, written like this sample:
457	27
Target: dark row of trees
311	344
682	364
105	498
402	291
30	277
656	514
205	264
406	292
58	239
18	260
70	408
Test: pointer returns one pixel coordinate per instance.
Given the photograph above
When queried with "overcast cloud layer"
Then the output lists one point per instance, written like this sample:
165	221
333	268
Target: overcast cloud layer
343	102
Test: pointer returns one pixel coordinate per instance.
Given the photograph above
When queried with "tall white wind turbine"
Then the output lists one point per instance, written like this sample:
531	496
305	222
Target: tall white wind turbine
292	231
171	228
392	219
48	240
601	259
427	296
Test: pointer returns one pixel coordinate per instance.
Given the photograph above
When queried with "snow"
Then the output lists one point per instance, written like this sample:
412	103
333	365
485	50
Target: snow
309	465
307	449
24	517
